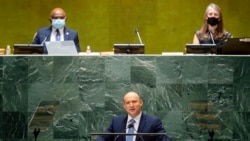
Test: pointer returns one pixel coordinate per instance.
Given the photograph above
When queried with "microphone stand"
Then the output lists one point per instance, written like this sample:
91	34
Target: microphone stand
45	38
129	126
211	35
132	126
137	132
138	35
212	38
36	133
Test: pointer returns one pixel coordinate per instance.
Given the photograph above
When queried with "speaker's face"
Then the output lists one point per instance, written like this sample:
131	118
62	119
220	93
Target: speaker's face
132	104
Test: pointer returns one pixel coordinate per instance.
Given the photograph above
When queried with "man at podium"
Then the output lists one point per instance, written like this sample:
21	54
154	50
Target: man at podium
135	121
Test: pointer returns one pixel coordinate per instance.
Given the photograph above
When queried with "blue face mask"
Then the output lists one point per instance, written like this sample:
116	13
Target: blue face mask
58	23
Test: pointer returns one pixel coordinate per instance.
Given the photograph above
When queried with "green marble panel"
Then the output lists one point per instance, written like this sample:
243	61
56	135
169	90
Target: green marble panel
117	69
15	69
65	69
169	70
173	123
242	70
40	69
1	69
221	97
15	97
143	71
91	69
1	97
14	125
1	125
241	125
222	71
194	69
67	126
193	95
241	97
38	92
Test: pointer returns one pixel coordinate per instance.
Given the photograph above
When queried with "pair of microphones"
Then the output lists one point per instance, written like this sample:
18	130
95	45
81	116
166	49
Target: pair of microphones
136	31
46	36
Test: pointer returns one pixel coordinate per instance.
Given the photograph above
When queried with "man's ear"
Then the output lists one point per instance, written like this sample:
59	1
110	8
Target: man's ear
50	20
141	103
123	105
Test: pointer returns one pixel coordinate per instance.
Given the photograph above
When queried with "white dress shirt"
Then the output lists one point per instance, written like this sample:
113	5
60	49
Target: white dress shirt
53	34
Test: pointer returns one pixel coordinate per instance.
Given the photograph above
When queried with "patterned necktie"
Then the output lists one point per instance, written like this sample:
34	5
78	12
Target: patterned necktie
131	130
58	37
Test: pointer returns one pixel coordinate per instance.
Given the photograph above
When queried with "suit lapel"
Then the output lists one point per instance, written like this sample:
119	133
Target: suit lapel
142	123
124	126
66	34
48	32
141	126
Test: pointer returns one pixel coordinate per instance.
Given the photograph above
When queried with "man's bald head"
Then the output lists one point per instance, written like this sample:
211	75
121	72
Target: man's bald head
132	103
57	13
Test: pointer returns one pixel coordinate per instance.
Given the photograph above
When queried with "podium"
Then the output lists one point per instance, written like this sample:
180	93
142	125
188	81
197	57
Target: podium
28	49
117	135
201	49
129	48
231	46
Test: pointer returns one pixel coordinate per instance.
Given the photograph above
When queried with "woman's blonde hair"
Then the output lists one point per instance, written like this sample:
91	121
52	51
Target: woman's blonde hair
220	29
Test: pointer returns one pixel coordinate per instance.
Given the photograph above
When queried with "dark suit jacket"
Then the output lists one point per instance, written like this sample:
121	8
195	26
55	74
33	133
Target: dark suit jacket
148	124
43	34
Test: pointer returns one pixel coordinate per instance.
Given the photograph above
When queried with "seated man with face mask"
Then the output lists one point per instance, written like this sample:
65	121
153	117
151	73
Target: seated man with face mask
57	31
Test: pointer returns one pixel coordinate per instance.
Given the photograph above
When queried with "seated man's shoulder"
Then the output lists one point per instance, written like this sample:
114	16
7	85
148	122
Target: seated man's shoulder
70	30
44	29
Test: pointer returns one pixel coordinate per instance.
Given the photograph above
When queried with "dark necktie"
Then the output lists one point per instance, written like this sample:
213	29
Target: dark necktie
131	130
58	37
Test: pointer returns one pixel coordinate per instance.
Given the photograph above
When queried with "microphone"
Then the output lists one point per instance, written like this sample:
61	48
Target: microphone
212	37
129	126
45	38
138	35
132	126
217	46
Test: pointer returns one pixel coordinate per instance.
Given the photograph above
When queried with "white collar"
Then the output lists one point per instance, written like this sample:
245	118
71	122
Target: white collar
137	118
60	30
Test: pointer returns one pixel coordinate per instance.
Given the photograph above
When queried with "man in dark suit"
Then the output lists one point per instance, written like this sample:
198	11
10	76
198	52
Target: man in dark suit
57	31
142	123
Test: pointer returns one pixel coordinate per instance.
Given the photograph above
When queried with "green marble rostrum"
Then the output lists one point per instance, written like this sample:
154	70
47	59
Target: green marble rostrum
69	97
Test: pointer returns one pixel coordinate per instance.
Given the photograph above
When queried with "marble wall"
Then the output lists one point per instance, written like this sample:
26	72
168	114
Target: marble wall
68	97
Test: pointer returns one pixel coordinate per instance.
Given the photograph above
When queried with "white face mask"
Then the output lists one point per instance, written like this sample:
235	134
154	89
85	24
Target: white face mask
58	23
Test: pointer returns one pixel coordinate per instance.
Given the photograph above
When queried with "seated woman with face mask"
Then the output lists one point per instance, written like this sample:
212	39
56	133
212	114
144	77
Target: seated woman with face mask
212	30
